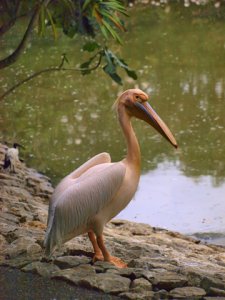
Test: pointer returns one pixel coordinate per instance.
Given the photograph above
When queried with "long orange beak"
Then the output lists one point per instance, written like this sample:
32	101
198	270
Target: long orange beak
147	113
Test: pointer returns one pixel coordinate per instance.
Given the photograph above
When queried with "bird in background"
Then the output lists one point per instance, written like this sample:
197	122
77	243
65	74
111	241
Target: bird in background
12	159
90	196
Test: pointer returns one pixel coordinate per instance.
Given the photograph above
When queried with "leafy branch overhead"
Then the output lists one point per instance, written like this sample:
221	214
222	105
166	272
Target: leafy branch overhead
97	20
111	62
91	15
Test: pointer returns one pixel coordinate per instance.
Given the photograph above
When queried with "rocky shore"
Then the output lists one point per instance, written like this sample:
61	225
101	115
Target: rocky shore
161	264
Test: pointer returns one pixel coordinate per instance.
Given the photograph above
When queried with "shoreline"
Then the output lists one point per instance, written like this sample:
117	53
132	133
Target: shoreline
162	264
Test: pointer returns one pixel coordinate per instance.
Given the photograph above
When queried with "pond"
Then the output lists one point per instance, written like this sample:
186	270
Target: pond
64	118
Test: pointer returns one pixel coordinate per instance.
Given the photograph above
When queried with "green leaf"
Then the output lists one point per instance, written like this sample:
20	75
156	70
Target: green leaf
86	65
110	63
54	30
113	61
66	59
86	3
114	19
131	73
104	31
91	46
112	31
109	69
114	76
116	5
41	23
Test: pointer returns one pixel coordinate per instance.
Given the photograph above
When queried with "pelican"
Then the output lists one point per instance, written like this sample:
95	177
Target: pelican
90	196
11	159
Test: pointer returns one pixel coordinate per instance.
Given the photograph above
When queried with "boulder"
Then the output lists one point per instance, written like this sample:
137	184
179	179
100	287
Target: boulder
188	292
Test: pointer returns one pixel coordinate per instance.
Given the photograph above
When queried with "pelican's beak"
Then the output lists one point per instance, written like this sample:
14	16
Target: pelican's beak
147	113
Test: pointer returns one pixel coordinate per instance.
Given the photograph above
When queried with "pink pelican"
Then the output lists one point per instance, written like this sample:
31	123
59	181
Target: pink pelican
90	196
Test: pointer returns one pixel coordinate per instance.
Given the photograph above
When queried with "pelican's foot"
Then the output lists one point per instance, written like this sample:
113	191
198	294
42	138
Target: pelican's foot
97	257
117	262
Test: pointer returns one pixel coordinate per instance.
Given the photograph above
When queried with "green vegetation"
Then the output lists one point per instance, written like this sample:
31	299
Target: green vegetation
97	21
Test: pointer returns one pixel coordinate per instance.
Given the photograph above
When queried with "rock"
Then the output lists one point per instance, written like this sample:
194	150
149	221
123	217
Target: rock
43	269
161	294
18	247
134	296
111	283
104	265
214	298
65	262
9	217
33	249
20	261
169	281
85	276
75	274
211	282
188	292
141	285
216	292
150	265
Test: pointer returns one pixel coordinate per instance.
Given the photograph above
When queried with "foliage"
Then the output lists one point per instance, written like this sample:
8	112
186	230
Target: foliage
96	20
111	62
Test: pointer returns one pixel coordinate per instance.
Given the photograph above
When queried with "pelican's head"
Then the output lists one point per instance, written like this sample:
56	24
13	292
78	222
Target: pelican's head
135	103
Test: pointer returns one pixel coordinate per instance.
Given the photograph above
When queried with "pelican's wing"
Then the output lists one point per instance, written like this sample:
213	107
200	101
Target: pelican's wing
96	160
81	201
66	182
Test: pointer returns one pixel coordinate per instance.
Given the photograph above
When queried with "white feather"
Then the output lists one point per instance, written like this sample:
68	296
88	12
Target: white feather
77	200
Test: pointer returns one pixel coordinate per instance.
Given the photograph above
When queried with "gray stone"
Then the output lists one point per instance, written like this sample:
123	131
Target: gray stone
104	265
20	261
43	269
111	283
216	292
33	249
18	247
140	285
211	282
65	262
214	298
9	217
188	292
169	281
75	274
84	275
138	296
161	294
146	263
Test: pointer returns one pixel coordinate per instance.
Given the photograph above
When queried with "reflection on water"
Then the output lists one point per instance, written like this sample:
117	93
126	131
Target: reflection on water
64	118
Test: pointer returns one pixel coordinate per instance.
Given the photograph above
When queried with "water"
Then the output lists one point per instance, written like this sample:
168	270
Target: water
63	118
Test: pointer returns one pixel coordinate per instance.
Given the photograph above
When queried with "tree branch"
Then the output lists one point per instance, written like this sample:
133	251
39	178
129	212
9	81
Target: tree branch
53	69
13	57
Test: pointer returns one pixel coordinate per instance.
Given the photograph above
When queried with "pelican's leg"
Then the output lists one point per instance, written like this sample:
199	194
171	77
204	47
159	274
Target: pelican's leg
98	253
107	257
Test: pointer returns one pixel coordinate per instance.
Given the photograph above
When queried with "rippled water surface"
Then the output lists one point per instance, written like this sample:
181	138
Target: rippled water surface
64	118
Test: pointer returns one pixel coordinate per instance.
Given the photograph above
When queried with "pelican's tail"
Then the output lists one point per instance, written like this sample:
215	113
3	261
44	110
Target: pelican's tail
53	239
49	244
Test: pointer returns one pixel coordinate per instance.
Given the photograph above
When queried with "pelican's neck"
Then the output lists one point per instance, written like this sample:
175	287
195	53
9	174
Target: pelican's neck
133	150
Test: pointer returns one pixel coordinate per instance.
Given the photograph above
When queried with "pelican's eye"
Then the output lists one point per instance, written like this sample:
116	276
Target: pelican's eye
138	98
